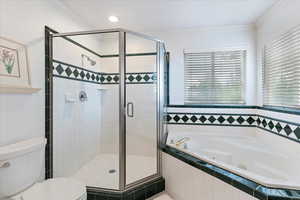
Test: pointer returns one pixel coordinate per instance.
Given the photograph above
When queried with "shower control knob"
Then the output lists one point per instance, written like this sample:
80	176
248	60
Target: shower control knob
4	164
185	146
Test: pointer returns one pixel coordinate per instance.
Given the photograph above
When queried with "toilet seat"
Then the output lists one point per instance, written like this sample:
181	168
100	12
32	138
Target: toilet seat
56	188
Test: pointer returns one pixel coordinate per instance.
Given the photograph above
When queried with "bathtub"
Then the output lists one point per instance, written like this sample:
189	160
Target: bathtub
244	155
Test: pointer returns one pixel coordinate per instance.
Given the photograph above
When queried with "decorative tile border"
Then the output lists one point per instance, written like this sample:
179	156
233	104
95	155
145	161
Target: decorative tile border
252	188
282	128
211	119
131	78
68	71
142	192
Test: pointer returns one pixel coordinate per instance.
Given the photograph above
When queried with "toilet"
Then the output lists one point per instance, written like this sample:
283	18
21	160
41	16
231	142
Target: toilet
21	169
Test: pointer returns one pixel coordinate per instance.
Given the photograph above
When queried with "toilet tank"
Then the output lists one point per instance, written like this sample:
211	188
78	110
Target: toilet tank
21	165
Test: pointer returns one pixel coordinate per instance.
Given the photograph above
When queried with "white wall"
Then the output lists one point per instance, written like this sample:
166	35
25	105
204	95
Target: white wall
184	182
211	38
22	116
282	17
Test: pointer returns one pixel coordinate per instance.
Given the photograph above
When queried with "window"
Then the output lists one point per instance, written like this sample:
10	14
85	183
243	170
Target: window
214	77
281	71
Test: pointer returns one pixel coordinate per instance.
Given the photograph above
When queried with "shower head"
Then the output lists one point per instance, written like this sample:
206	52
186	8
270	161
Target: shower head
91	61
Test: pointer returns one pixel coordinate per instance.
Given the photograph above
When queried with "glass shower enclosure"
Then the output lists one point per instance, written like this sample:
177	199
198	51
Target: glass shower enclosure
105	107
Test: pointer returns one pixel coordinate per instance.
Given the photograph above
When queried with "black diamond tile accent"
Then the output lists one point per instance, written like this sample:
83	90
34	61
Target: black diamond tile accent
146	77
138	78
264	122
116	78
59	69
130	78
68	71
203	119
221	119
102	79
258	121
271	125
212	119
176	118
250	120
76	73
230	119
185	118
109	78
297	132
82	74
194	118
287	129
169	118
88	76
278	127
240	120
93	77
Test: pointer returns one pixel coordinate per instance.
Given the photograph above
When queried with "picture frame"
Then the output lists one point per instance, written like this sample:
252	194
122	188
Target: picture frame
14	67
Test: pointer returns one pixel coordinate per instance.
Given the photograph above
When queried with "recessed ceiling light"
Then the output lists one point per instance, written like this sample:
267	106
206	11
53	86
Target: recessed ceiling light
113	18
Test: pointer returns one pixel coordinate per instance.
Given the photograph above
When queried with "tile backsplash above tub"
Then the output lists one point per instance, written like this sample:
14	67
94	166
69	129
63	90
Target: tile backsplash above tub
281	124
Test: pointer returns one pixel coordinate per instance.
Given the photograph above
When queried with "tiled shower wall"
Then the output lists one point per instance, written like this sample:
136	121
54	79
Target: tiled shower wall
76	124
76	127
97	131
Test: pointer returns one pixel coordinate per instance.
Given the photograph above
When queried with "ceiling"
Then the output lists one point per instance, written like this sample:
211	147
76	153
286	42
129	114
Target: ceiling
153	15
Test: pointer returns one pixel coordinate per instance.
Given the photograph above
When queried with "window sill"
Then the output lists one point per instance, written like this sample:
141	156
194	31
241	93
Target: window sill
212	106
288	110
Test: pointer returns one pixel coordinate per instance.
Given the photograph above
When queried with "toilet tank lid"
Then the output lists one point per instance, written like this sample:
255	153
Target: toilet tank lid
11	151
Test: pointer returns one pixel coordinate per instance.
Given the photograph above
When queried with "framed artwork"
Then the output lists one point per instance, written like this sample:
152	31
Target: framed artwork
14	69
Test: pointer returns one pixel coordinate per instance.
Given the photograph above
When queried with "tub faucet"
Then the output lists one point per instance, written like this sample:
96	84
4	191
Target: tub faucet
182	141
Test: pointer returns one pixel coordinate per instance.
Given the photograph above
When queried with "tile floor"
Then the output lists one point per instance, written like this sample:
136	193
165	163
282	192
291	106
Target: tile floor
161	196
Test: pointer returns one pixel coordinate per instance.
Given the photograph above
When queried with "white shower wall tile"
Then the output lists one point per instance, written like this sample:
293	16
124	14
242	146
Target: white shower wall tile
110	119
61	52
141	129
76	125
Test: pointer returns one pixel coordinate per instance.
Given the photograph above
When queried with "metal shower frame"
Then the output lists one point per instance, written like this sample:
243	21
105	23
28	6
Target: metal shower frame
160	59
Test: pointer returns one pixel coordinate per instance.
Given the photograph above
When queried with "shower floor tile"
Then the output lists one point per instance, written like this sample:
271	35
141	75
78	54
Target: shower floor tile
103	170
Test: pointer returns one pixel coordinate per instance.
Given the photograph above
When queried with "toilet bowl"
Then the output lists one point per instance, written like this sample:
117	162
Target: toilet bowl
21	167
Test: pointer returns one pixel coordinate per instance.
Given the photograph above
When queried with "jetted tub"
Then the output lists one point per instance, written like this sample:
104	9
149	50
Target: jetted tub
246	156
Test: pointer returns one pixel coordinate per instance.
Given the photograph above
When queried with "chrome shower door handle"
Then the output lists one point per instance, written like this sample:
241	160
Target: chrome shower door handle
130	109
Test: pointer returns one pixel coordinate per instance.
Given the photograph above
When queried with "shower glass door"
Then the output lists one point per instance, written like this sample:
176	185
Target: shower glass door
141	95
108	138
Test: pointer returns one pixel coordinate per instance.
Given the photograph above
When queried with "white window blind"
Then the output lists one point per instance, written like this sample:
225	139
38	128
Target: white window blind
214	77
281	70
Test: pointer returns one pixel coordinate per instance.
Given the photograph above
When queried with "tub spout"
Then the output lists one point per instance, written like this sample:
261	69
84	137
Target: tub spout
182	141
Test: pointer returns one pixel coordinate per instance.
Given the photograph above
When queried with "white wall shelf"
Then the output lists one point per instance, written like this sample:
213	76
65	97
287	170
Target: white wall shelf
18	90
